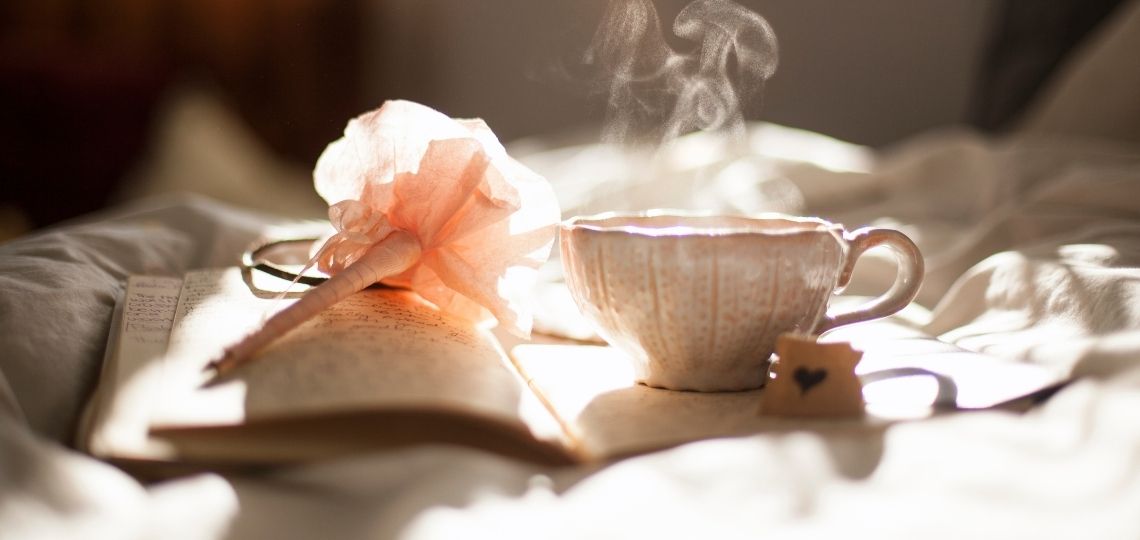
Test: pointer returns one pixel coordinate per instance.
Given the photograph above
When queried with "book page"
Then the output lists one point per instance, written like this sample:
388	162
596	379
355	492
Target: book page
592	389
118	412
980	381
379	350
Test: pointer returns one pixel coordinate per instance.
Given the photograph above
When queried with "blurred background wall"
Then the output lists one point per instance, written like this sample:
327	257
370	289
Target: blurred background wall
869	72
82	81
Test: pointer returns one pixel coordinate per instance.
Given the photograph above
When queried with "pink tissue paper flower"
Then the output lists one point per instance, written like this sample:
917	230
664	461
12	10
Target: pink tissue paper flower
484	221
425	202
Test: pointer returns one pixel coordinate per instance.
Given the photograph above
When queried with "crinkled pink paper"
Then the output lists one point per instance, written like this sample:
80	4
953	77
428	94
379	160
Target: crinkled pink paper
484	221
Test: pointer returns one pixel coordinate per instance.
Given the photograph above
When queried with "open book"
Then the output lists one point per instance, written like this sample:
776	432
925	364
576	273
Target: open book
384	369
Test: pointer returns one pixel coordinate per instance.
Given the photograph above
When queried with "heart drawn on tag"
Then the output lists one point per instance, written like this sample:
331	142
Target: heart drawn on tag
807	378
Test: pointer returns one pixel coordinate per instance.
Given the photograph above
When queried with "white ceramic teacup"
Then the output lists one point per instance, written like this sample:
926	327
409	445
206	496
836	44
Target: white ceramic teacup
697	301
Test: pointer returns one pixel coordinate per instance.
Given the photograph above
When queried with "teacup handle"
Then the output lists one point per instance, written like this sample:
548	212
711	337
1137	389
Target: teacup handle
907	281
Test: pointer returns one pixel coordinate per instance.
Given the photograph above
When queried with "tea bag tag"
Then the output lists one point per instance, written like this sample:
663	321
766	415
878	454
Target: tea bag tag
813	380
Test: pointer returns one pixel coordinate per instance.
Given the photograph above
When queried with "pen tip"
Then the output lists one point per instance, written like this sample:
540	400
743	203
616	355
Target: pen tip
211	375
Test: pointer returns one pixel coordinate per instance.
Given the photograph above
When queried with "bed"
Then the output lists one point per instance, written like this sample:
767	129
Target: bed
1032	242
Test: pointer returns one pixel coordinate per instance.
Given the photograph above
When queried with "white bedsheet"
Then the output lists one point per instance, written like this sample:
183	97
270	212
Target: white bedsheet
1033	246
1061	286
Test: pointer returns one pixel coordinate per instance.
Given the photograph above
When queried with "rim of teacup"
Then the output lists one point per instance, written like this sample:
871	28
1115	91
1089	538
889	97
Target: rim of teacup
595	222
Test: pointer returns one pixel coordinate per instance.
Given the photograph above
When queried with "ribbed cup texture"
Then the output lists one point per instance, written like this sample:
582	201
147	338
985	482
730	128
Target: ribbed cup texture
701	311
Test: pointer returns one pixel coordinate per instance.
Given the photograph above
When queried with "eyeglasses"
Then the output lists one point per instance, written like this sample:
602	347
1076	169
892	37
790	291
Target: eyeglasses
258	257
255	257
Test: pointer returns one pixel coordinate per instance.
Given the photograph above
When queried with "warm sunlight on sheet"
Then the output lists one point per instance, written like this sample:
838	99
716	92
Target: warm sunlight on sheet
901	398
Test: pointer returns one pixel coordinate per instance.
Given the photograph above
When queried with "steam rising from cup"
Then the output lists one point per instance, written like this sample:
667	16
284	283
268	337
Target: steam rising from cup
656	92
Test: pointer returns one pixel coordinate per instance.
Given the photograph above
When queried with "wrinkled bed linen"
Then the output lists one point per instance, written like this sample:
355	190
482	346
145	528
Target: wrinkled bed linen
60	287
1033	247
1046	246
